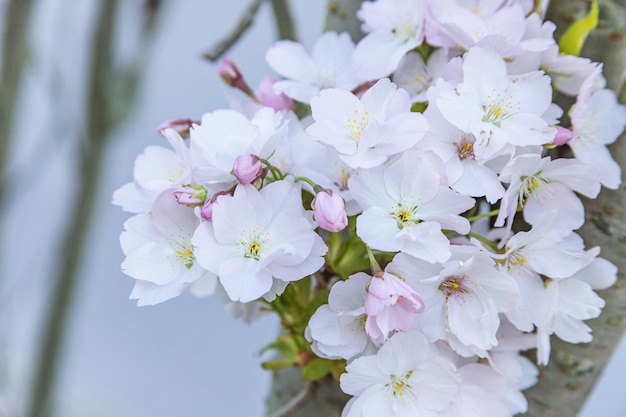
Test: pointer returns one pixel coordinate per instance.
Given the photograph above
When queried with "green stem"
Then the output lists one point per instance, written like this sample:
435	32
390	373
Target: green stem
308	181
482	216
376	269
484	240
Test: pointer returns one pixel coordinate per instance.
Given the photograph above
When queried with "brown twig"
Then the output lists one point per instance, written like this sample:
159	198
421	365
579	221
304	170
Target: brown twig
245	21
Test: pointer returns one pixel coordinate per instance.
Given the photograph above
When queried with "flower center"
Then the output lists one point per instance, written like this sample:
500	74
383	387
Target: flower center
183	251
254	244
465	148
357	124
174	173
500	107
399	384
405	30
453	285
405	215
532	185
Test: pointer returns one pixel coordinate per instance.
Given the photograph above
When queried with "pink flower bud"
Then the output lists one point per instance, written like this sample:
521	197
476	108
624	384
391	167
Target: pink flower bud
181	125
230	74
207	210
190	195
390	305
267	97
247	169
563	136
329	210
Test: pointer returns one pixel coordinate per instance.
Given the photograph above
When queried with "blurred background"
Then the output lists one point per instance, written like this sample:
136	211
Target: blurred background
83	84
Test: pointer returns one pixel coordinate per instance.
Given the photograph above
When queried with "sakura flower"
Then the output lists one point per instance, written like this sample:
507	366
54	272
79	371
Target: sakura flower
393	28
407	377
368	131
463	296
572	301
483	392
390	305
329	65
224	135
156	170
498	109
542	251
416	76
568	72
256	238
407	204
337	329
597	120
467	173
541	184
159	253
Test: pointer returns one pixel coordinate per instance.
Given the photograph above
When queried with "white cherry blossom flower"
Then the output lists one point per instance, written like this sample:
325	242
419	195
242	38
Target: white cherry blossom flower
156	170
337	329
328	66
597	120
571	302
159	253
416	76
407	204
392	27
408	377
498	109
542	184
463	296
225	135
366	131
257	237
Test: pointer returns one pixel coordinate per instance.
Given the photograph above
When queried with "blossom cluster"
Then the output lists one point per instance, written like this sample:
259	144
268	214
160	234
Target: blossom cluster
432	147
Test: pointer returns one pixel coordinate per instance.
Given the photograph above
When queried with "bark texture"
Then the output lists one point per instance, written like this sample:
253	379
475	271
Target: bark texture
565	384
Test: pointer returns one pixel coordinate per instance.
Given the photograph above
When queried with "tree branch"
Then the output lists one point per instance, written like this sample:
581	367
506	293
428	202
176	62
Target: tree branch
109	92
284	20
14	53
244	23
341	17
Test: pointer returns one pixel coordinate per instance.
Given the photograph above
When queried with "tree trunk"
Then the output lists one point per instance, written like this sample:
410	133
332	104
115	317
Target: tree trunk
573	370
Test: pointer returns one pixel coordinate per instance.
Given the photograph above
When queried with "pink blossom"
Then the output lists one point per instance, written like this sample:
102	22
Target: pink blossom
330	211
268	97
247	169
181	125
190	195
207	210
563	136
230	74
391	305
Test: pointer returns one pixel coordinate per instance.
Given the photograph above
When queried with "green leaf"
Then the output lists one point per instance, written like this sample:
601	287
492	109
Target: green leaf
573	39
277	364
318	368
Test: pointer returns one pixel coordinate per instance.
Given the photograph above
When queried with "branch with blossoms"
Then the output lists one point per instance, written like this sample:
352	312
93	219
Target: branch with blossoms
400	203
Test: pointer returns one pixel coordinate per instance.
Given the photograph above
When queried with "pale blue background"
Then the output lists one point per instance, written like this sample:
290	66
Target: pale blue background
186	357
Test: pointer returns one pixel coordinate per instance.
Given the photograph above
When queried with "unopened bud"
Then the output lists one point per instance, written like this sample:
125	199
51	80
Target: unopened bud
329	210
230	74
268	97
190	195
181	125
563	136
247	169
